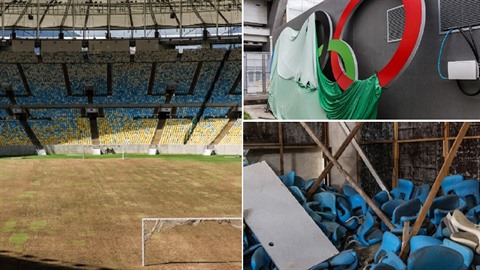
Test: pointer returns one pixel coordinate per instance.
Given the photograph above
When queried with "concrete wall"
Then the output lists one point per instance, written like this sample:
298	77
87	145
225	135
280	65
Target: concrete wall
307	163
137	149
348	160
419	93
198	149
23	150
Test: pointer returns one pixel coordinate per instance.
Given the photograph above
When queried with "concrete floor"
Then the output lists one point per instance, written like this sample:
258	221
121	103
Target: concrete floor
258	112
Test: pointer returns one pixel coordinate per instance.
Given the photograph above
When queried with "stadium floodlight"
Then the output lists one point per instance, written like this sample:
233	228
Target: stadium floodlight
163	224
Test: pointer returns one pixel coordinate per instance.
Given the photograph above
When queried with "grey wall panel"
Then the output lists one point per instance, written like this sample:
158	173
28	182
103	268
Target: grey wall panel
419	93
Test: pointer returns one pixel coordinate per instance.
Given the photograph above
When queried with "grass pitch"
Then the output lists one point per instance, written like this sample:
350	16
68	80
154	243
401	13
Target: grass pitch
86	213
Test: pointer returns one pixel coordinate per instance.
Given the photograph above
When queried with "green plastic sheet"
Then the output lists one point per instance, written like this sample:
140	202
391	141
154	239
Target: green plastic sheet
299	90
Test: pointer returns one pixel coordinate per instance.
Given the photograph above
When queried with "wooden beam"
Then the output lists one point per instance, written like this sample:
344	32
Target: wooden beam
339	152
395	152
352	182
326	141
446	132
435	188
280	139
365	159
420	140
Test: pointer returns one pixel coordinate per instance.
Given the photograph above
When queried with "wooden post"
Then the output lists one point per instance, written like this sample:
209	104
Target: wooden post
435	187
339	152
280	139
352	182
365	160
445	139
396	154
326	141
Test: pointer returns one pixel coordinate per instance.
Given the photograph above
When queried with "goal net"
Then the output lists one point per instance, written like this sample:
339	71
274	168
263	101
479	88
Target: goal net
192	241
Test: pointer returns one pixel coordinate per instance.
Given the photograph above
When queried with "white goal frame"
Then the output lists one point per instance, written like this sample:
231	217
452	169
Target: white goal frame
146	235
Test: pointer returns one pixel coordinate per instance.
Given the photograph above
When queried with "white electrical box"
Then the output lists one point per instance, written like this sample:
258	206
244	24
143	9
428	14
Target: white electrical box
463	70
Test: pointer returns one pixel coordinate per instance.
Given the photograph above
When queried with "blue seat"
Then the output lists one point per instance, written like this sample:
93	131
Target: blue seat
260	260
313	209
345	260
390	261
328	205
348	190
344	213
390	243
309	183
404	190
335	232
435	257
298	194
390	206
419	241
443	205
299	182
441	231
449	181
421	192
467	189
379	199
474	214
288	179
367	234
407	211
466	252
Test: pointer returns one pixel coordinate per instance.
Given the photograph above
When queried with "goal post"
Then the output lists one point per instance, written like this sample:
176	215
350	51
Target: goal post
156	225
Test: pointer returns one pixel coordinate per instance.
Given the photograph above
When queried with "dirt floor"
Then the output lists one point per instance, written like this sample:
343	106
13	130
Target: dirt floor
86	214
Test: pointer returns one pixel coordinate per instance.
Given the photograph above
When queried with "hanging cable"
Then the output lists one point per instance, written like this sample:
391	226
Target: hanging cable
473	46
440	55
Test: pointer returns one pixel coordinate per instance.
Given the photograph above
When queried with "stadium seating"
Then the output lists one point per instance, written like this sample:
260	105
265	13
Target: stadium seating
67	131
4	100
125	126
206	131
9	75
169	55
88	74
203	54
130	85
18	57
3	114
235	55
65	127
55	113
180	74
215	112
62	57
187	112
109	57
175	131
205	80
12	133
47	84
234	135
227	78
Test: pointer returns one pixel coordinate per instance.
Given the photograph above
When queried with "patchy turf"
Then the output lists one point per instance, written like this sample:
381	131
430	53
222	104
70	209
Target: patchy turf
88	212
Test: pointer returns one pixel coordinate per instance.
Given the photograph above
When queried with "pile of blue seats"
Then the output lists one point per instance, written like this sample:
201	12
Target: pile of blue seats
351	225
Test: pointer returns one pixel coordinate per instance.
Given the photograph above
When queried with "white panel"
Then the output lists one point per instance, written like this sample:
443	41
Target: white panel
288	234
255	12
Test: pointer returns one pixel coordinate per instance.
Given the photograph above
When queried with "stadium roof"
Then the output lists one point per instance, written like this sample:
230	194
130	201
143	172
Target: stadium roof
119	14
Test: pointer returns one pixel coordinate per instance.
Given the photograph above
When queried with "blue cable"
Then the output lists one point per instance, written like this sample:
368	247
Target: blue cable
440	55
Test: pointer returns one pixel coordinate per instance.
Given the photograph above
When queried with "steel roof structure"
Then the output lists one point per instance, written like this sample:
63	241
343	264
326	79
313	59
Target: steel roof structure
119	14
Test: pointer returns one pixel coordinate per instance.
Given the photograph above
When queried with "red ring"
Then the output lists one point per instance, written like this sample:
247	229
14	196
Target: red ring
412	35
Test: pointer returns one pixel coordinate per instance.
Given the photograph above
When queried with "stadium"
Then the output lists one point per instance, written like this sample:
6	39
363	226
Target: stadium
106	109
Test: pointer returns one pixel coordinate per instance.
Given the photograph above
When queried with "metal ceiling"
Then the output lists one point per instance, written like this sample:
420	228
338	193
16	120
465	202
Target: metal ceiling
119	14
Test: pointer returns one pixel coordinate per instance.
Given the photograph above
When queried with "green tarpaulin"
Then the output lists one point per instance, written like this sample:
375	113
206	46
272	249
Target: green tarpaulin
299	90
